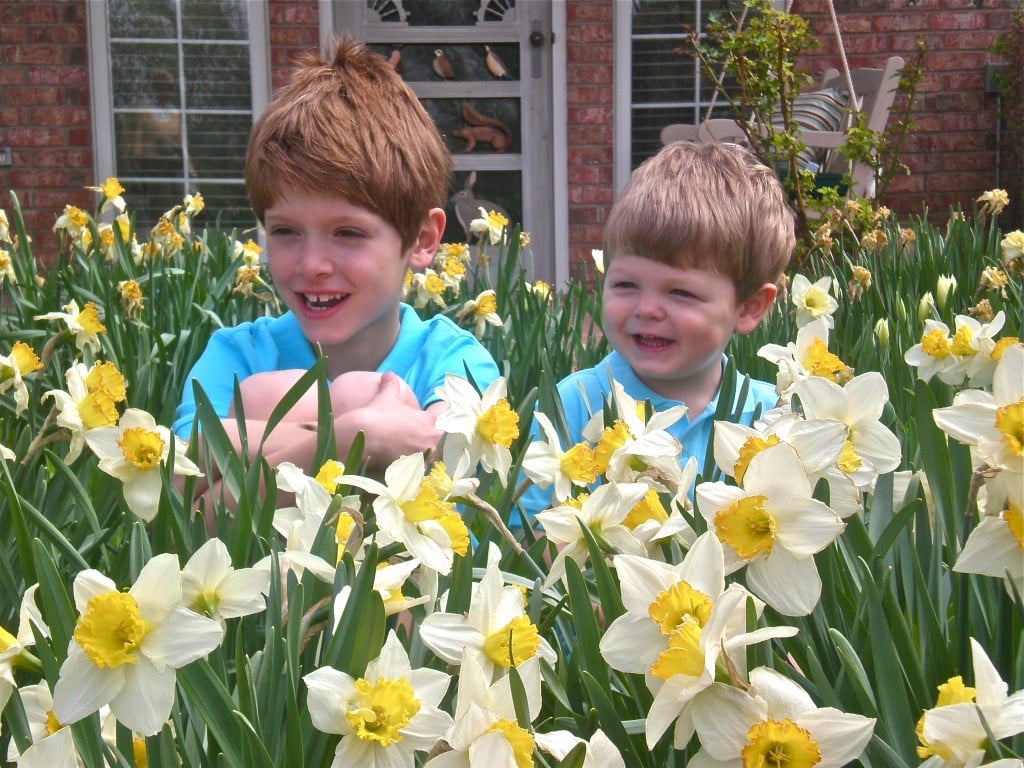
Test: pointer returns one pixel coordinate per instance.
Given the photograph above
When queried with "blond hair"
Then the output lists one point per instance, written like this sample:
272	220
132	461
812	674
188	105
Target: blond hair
352	128
709	206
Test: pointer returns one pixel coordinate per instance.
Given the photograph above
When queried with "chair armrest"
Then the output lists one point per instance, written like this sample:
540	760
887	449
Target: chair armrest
679	132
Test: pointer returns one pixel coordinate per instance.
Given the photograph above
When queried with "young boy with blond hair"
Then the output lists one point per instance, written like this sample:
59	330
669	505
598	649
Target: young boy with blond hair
694	248
349	176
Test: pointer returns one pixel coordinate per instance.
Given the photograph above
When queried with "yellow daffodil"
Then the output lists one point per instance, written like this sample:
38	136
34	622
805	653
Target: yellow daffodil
871	448
90	401
414	507
126	646
679	619
1012	247
992	423
212	587
134	451
601	752
486	731
427	287
483	311
21	361
249	252
774	526
84	323
492	224
73	221
603	513
993	201
546	464
484	426
995	547
812	301
131	297
383	717
807	356
111	190
775	722
52	744
955	733
496	626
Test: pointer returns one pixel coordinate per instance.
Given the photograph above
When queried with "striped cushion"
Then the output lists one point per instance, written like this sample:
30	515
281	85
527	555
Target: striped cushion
814	111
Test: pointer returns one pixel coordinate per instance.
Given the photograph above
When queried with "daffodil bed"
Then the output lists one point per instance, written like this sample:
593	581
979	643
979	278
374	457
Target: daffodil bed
841	584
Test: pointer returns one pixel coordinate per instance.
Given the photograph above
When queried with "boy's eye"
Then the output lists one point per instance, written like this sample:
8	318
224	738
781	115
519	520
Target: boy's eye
624	285
682	293
349	233
280	231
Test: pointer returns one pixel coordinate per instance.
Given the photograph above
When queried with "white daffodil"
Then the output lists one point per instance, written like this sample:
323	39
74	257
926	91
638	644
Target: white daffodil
993	424
90	401
486	733
603	513
490	223
384	717
871	448
84	323
774	526
807	356
21	361
496	626
813	301
1012	247
679	620
601	751
73	220
545	463
127	645
996	548
301	525
415	508
387	582
955	733
134	452
210	586
483	311
482	425
52	744
775	722
637	449
14	648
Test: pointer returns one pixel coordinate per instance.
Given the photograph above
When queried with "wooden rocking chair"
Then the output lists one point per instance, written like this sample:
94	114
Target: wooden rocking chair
824	116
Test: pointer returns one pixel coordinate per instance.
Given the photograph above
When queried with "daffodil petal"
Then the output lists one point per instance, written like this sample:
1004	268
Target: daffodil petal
145	701
329	690
181	638
788	584
632	644
82	687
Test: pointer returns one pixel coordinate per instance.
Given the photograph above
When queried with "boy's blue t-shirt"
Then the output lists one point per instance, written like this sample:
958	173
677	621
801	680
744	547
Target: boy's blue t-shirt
424	353
693	431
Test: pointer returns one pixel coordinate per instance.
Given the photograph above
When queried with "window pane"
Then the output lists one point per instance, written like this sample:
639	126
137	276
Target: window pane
214	20
143	18
180	73
217	77
668	85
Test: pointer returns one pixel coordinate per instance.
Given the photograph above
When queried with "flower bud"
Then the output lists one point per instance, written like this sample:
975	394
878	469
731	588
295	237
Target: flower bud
882	331
945	285
925	306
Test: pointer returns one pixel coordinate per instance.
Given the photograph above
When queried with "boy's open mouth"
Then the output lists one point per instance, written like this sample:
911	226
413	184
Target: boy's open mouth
651	342
321	302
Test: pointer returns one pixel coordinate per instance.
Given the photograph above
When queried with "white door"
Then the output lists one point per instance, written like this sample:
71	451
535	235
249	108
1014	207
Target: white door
482	69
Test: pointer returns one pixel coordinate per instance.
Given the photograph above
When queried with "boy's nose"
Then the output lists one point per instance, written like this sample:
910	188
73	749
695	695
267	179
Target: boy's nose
648	306
314	262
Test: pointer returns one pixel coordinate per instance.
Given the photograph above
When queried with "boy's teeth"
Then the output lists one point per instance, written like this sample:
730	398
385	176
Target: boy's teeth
323	299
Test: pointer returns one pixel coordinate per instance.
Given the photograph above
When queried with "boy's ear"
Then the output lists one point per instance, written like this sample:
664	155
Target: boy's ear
756	307
428	240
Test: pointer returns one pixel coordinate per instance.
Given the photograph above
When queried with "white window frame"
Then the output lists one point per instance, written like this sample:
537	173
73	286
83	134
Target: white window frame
102	100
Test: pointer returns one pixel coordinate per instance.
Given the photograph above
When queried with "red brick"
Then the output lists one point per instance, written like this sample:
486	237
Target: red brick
62	75
27	179
27	12
35	137
33	97
60	116
61	158
32	54
964	20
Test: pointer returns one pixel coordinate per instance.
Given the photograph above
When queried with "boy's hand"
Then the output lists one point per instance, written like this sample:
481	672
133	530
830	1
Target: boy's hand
391	424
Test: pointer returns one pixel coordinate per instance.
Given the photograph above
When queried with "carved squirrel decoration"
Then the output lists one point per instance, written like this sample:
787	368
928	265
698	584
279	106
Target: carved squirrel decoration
480	129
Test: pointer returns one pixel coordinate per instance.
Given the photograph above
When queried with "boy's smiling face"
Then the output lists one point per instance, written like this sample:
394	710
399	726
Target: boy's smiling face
339	267
671	324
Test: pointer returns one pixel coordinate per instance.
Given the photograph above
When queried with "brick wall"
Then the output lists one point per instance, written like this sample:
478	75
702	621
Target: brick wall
293	30
44	111
589	35
45	120
953	153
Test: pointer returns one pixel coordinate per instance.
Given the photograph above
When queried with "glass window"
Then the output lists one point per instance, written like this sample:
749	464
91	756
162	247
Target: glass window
181	96
668	85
